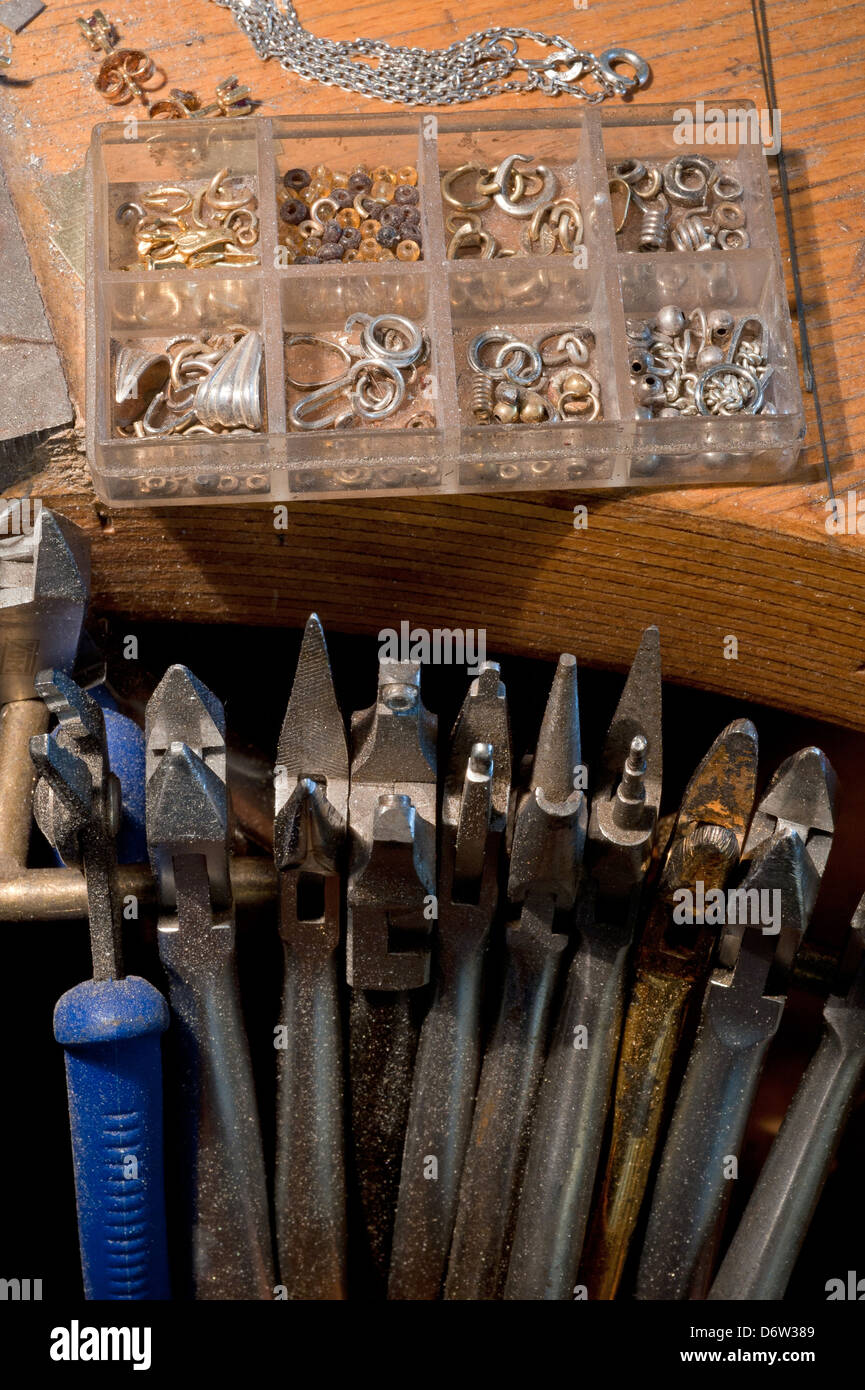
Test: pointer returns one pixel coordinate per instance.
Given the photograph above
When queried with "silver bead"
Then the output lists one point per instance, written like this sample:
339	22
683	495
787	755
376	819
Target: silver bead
719	325
708	356
670	320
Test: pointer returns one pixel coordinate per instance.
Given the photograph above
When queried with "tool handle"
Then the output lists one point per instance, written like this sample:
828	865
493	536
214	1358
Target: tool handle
229	1227
310	1166
443	1091
383	1038
110	1031
702	1148
569	1123
512	1069
653	1027
761	1256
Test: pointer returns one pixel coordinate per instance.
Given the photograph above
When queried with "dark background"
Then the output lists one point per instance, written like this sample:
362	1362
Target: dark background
251	671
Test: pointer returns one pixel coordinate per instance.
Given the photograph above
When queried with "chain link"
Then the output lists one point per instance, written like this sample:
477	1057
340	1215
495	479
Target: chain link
481	65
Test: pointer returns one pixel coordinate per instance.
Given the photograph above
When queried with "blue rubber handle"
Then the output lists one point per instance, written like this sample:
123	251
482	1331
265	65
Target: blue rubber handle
111	1032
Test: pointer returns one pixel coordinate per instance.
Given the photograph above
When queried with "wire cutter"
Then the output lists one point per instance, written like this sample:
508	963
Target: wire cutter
741	1011
228	1242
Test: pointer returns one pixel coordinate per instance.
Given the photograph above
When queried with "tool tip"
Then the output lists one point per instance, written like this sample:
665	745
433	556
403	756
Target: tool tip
182	707
312	738
558	751
804	789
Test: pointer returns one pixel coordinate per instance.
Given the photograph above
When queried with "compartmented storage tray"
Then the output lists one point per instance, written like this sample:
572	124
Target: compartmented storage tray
435	441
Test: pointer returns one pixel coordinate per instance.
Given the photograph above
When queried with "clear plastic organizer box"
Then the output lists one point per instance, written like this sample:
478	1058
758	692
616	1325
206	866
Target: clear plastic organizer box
595	281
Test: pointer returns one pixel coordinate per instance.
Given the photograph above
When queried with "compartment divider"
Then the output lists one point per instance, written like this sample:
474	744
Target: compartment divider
441	326
619	396
271	314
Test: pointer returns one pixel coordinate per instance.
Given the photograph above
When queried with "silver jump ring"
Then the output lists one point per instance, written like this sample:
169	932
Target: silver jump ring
525	375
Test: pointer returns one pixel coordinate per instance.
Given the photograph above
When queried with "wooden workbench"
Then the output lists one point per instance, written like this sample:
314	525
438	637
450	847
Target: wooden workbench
705	564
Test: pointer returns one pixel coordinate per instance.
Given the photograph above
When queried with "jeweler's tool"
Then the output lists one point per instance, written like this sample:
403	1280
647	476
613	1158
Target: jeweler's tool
311	782
110	1026
572	1101
473	823
549	835
742	1008
228	1230
391	907
671	967
763	1252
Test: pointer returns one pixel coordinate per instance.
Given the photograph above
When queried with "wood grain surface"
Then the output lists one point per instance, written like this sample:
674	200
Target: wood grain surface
705	563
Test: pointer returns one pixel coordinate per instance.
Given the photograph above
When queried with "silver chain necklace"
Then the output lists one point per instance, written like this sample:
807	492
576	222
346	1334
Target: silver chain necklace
478	66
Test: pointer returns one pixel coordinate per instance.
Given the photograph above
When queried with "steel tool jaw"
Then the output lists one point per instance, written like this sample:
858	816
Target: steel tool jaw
187	798
44	590
308	832
392	818
76	791
77	805
801	796
187	813
782	876
550	823
182	710
477	790
312	743
63	797
624	812
394	740
483	718
800	803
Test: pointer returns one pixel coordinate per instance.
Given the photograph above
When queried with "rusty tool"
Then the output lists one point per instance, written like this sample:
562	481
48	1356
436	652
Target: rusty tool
568	1127
311	782
228	1243
763	1252
473	822
547	851
672	962
390	913
766	919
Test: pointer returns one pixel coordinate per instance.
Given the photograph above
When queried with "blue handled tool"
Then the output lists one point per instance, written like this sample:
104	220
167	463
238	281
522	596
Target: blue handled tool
110	1026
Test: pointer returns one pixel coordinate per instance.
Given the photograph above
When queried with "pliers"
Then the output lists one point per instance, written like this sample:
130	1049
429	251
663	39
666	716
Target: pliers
474	819
569	1121
741	1012
546	857
671	966
309	839
227	1239
390	917
110	1026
